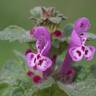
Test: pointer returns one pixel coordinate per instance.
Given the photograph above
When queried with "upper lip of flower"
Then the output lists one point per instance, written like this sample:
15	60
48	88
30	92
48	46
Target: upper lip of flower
43	39
82	25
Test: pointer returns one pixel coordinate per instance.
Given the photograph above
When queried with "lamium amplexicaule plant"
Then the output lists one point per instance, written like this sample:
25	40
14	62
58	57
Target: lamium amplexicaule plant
58	60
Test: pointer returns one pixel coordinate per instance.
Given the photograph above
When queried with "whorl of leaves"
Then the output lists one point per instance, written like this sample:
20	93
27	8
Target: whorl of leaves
40	14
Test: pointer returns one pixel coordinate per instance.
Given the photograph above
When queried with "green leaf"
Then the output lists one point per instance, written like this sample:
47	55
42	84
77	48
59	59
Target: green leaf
54	90
11	71
91	36
84	88
46	84
14	81
36	12
55	20
15	33
6	92
55	43
14	28
18	92
3	85
68	29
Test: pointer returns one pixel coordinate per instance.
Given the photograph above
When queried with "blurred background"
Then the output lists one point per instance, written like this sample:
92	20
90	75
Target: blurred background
16	12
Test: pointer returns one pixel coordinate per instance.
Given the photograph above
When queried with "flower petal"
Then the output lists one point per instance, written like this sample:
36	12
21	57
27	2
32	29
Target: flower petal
29	59
76	53
89	52
44	63
75	39
82	25
43	40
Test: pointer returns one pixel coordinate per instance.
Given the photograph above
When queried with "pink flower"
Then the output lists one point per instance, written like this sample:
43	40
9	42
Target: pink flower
39	60
77	48
77	45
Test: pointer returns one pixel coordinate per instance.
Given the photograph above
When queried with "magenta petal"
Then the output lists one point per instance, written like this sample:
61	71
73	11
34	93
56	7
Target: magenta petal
45	64
43	45
43	40
74	39
89	52
38	61
82	25
29	57
76	53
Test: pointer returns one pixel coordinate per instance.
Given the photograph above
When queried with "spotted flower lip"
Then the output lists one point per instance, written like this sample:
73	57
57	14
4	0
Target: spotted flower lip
38	61
82	25
77	53
78	48
43	39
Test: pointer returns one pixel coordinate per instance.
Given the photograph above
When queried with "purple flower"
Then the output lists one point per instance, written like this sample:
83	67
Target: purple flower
78	48
82	25
39	60
43	39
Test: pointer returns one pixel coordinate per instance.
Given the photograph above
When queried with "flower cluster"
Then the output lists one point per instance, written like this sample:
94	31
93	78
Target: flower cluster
42	60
